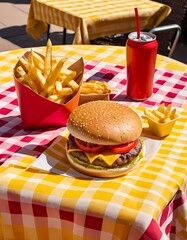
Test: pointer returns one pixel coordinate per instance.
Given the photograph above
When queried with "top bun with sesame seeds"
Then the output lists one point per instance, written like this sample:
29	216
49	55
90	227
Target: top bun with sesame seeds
105	122
99	128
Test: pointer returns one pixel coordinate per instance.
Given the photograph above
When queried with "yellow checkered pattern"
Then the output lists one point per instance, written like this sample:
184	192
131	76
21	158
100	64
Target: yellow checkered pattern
90	19
143	192
112	54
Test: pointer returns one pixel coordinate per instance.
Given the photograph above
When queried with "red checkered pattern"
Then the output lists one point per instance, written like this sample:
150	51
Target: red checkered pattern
15	142
166	84
166	224
171	212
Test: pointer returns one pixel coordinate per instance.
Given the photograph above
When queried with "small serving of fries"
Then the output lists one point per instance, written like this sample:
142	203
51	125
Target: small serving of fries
47	76
161	120
162	114
94	86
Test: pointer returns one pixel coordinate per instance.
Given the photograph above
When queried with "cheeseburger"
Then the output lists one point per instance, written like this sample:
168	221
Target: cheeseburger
104	139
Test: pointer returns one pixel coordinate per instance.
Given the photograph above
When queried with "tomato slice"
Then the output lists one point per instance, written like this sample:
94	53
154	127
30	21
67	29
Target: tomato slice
89	147
122	148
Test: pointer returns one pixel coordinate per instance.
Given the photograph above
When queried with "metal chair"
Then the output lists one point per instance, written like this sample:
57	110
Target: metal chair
168	33
170	48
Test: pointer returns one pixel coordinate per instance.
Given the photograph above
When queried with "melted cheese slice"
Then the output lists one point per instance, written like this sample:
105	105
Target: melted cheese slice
108	157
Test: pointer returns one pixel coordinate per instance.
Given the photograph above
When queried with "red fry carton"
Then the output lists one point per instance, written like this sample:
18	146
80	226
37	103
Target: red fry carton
39	112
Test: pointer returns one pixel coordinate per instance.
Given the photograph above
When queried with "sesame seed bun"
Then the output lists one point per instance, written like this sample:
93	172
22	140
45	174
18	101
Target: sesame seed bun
105	122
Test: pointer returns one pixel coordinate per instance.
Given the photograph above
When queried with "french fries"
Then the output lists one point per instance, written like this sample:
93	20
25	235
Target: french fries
94	86
48	59
162	114
47	76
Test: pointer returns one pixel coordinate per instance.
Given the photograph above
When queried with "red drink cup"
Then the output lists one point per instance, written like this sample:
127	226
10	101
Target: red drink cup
141	59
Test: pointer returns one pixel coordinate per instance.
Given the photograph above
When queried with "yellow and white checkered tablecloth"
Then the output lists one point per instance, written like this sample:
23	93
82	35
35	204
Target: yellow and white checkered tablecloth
91	19
35	203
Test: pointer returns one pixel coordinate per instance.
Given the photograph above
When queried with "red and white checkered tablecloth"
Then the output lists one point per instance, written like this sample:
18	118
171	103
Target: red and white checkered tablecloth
169	86
15	140
148	203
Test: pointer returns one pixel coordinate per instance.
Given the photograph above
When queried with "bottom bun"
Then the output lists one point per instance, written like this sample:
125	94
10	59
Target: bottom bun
103	173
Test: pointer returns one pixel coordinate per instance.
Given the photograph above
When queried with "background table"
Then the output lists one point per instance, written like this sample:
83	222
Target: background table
60	203
91	19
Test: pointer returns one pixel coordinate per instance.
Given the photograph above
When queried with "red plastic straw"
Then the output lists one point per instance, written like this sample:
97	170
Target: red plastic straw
137	23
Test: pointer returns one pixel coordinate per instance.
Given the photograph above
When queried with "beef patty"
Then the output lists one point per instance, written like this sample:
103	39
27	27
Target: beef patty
121	161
